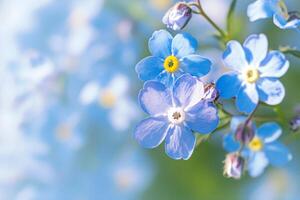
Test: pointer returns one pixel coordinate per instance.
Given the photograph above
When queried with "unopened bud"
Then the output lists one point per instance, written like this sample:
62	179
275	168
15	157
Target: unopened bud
295	124
233	166
178	16
244	133
210	92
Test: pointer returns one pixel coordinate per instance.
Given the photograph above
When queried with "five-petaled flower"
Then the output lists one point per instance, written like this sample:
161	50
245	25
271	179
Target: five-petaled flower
262	149
255	74
275	9
175	116
171	58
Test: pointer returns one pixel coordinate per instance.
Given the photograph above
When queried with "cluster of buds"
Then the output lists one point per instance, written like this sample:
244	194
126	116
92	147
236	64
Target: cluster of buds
178	16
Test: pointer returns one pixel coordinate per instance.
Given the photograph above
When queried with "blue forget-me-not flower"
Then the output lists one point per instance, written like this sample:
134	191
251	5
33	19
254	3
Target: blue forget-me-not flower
175	115
255	73
275	9
172	57
263	148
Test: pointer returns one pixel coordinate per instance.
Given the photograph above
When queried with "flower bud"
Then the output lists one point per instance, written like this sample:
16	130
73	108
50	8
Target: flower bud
233	166
178	16
295	123
210	92
244	134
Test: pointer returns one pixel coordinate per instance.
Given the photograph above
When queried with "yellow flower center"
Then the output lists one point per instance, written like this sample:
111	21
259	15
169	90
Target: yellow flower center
256	144
107	99
283	9
251	75
63	132
171	64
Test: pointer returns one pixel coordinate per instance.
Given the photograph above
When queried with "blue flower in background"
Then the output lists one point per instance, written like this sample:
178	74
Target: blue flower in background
275	9
172	57
175	115
255	74
262	149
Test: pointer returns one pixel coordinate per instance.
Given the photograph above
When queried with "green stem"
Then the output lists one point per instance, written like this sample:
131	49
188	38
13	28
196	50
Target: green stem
201	11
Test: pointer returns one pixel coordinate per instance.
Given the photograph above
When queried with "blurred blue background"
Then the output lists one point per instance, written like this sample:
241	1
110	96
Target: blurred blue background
68	105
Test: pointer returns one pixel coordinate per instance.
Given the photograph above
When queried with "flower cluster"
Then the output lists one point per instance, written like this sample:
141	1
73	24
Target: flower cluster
182	107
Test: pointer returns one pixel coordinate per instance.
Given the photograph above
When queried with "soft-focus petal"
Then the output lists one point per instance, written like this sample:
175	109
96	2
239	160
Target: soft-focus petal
277	154
188	91
160	44
155	98
261	9
228	85
271	91
234	56
151	132
257	163
247	98
183	45
275	65
203	118
149	68
230	144
283	23
269	132
180	143
195	65
258	46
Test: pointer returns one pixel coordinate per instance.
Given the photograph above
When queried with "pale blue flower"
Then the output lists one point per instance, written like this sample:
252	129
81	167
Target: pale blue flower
275	9
174	116
255	73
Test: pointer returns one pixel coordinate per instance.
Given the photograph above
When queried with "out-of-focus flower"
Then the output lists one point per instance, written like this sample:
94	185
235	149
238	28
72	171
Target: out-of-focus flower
262	149
255	73
172	57
178	16
174	121
233	166
275	9
295	123
113	97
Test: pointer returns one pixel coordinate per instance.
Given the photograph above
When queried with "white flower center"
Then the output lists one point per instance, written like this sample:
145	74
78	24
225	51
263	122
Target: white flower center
176	115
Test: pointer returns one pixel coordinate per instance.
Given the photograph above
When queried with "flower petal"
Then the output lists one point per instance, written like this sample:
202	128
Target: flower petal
247	98
261	9
183	45
180	143
271	91
203	117
236	121
230	144
277	154
234	56
275	65
282	23
155	98
228	85
269	132
160	44
151	132
149	68
257	163
188	91
258	46
195	65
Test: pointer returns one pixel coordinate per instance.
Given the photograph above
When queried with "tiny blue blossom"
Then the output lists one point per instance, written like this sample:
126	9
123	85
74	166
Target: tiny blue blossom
255	74
262	149
171	58
275	9
175	115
